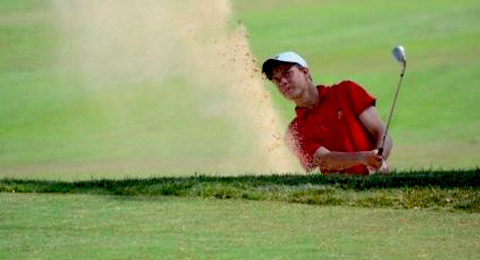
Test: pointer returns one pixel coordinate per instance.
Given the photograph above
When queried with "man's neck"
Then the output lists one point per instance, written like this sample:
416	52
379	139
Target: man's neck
309	98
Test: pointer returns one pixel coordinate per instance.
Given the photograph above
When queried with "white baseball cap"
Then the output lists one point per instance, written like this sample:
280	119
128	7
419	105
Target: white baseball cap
284	57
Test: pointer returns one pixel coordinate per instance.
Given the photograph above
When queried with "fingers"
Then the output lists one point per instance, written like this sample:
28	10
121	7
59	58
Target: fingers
376	163
382	169
374	159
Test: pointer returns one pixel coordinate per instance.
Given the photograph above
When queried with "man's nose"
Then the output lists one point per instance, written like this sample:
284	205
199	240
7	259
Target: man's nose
283	81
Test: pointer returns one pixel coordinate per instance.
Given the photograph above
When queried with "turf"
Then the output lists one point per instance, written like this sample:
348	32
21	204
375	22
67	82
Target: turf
112	227
428	190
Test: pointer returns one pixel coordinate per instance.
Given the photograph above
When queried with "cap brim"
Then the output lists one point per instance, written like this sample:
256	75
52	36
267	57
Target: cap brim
269	64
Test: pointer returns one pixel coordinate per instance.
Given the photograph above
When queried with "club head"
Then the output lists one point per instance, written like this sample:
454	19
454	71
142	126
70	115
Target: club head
399	54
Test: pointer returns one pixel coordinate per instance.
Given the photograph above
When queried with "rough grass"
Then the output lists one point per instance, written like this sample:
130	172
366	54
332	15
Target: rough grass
448	190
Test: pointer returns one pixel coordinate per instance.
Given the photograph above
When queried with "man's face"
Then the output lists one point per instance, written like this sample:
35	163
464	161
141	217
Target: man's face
291	80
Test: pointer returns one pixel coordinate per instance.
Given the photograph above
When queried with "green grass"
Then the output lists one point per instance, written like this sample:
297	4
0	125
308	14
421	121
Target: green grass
456	190
55	226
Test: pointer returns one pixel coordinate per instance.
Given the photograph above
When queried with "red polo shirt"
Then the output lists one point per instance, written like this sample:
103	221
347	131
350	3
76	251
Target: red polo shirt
332	123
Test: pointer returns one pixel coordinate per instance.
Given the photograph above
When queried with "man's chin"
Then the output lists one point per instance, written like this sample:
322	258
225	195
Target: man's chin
292	96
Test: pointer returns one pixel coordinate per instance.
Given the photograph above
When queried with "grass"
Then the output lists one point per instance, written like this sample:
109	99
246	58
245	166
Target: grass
71	226
451	190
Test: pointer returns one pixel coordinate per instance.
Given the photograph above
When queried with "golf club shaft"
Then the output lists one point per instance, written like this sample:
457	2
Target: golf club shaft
380	150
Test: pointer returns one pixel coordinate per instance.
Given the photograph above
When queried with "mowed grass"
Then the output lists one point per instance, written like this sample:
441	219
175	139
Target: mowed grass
110	227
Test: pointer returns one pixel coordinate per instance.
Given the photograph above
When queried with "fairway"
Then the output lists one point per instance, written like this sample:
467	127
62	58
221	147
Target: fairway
112	227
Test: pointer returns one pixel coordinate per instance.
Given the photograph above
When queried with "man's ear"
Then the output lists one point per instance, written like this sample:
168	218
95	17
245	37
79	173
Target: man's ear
306	71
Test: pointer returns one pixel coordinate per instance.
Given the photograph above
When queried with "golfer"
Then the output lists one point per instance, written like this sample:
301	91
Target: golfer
337	128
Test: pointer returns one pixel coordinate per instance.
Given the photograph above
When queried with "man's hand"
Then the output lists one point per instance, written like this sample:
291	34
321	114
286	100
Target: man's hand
372	162
372	159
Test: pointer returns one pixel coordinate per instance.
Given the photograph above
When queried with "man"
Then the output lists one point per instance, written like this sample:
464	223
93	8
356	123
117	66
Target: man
337	128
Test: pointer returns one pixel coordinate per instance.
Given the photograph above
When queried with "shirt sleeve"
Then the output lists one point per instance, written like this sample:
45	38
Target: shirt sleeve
359	98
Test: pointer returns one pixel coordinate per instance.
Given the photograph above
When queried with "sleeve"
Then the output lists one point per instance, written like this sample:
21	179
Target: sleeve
302	148
359	99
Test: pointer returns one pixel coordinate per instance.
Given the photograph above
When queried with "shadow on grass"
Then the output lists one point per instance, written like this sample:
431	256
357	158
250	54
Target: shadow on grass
426	189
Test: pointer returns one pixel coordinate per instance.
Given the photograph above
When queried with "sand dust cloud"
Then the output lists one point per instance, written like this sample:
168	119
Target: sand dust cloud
176	85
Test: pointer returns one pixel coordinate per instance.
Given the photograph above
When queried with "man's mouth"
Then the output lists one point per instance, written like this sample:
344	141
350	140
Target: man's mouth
288	91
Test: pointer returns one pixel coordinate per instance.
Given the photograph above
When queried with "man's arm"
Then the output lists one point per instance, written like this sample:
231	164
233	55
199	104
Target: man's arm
331	161
328	160
372	121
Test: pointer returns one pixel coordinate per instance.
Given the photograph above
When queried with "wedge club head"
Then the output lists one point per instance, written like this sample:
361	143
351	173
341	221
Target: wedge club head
399	54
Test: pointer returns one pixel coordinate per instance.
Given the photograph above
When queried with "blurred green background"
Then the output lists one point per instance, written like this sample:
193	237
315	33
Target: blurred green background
51	125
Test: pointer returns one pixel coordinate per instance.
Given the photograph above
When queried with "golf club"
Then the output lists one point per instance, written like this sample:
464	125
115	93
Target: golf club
399	54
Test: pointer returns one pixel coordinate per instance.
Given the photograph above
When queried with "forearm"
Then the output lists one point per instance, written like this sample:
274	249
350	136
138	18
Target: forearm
387	146
371	120
332	161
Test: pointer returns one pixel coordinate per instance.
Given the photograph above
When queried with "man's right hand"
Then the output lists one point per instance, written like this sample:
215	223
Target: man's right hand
372	159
